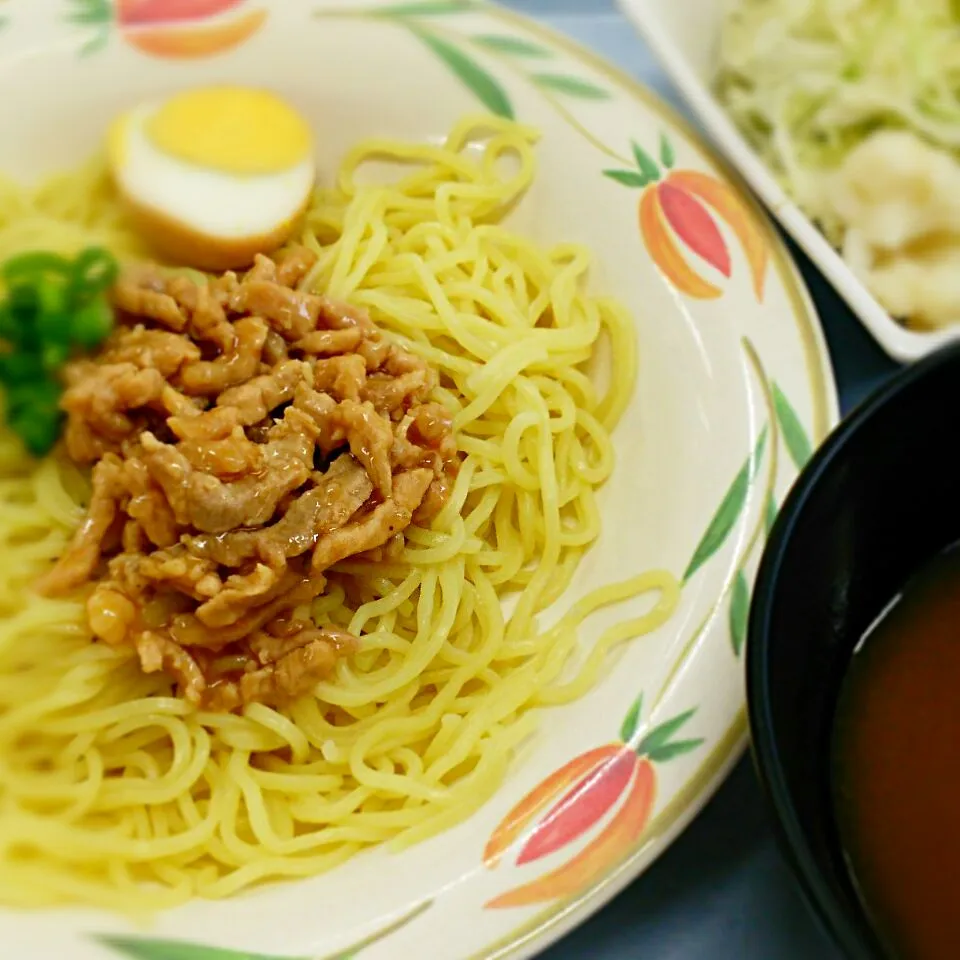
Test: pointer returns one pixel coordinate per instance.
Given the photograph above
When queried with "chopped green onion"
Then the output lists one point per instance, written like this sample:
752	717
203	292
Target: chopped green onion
91	323
18	369
24	304
40	393
38	429
8	325
54	356
26	267
52	306
52	320
93	271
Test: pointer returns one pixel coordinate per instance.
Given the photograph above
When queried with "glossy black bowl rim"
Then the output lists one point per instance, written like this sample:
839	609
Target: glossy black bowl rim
791	837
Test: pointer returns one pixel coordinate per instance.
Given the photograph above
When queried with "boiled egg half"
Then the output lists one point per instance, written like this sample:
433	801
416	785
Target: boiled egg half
215	175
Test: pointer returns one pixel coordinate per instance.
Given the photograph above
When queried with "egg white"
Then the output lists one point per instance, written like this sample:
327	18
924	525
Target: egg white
210	202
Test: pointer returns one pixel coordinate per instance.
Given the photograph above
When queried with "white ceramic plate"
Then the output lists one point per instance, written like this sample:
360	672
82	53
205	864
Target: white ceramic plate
684	36
734	391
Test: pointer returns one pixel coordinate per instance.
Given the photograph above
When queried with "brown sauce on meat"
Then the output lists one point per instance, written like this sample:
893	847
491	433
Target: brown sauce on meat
244	437
896	770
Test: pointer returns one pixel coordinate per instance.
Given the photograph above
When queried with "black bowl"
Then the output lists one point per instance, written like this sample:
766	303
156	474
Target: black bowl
880	497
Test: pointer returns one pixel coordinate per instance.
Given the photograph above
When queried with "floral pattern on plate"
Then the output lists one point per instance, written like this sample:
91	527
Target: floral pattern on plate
171	29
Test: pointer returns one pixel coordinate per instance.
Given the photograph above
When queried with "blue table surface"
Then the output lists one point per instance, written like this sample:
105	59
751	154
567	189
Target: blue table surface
722	891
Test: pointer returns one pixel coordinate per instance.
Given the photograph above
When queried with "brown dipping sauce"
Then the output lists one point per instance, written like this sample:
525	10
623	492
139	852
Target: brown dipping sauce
896	767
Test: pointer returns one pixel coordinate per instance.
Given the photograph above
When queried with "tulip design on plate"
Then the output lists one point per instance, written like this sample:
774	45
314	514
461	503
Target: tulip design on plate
177	29
150	948
604	796
680	209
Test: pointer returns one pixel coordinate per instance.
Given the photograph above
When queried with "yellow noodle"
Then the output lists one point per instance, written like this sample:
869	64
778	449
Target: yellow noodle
115	793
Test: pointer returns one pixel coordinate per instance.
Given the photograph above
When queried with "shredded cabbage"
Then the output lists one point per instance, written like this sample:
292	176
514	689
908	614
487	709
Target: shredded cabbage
808	80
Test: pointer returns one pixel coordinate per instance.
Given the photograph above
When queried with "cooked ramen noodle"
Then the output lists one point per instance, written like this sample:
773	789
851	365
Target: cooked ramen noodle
116	791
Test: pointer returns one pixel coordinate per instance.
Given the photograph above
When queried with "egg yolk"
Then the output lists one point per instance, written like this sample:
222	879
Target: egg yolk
231	129
117	141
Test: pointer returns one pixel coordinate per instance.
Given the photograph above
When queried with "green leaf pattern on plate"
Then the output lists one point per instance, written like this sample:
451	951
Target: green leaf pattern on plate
671	750
771	515
89	13
661	735
149	948
667	156
657	745
96	43
511	46
145	949
487	90
729	510
645	163
628	729
794	435
92	14
571	86
739	612
629	178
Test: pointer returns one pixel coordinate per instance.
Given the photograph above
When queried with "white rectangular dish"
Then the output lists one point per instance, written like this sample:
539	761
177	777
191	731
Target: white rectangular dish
683	35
